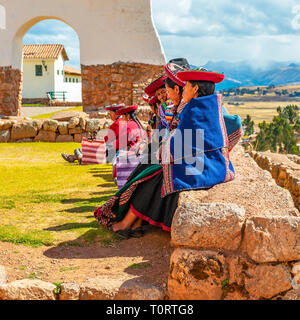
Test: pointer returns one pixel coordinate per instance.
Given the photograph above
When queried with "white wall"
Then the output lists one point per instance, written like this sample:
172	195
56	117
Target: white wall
109	31
37	87
74	92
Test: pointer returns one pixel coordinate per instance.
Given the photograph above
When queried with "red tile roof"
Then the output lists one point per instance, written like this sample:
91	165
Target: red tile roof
44	51
70	70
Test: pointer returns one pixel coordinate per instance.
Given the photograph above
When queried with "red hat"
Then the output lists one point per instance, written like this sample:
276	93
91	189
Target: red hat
155	85
153	100
201	75
115	107
171	71
126	110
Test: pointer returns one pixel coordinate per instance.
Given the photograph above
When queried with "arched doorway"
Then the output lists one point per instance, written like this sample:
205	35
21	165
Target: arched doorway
120	48
51	65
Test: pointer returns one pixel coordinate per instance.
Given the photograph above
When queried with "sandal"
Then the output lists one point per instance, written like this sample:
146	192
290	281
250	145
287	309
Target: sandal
124	234
137	233
68	158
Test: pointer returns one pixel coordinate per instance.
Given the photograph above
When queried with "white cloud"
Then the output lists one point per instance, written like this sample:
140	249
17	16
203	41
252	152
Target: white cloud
229	30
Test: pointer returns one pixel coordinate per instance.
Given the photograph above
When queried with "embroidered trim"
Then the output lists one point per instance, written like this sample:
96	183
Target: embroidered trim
154	223
104	214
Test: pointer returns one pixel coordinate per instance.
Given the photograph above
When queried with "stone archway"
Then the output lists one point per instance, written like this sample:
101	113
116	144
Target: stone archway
120	49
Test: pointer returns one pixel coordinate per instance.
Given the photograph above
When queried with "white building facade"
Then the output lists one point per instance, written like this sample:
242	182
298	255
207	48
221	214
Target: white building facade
45	75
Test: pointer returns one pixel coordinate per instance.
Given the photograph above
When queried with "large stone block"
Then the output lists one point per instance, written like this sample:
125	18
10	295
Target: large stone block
50	125
73	122
265	281
104	288
64	138
24	130
273	239
45	136
93	125
196	275
28	290
208	226
69	291
63	128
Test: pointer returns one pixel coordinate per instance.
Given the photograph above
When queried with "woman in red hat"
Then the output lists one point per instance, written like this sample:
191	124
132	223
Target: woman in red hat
124	213
113	134
131	130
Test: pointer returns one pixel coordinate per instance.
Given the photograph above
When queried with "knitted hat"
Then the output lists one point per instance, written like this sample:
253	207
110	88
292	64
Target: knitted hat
171	71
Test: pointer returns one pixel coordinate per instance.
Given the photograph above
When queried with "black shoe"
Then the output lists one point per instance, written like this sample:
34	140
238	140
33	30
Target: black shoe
124	234
137	233
68	158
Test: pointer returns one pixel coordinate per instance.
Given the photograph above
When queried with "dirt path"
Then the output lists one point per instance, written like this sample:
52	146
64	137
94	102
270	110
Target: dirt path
146	259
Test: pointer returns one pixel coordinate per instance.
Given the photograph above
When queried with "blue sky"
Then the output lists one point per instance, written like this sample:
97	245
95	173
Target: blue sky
258	31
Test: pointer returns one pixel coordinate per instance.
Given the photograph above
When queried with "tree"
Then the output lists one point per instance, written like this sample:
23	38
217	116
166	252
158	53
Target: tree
248	125
279	135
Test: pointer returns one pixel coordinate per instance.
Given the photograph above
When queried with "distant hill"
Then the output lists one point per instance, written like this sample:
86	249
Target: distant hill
243	74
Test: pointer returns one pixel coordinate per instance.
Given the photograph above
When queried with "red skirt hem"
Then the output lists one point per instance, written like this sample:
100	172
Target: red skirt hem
147	219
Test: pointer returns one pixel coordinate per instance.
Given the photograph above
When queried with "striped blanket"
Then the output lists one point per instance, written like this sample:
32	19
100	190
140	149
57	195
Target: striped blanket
93	152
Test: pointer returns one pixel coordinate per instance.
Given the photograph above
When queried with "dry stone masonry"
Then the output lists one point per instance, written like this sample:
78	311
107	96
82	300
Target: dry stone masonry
116	83
11	83
285	171
236	241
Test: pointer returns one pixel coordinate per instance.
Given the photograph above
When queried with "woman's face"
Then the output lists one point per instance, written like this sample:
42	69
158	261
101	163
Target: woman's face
173	94
189	92
161	94
113	115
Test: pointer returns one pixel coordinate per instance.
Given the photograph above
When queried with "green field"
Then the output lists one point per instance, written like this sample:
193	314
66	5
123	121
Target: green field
47	201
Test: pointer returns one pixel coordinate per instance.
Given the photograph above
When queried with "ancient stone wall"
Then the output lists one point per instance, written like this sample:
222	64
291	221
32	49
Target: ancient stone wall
284	176
49	130
103	85
10	91
236	241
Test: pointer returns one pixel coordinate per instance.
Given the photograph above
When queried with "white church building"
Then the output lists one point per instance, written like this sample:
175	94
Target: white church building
46	76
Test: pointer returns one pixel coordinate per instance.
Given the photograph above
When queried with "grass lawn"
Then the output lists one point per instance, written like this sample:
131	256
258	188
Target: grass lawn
49	115
47	201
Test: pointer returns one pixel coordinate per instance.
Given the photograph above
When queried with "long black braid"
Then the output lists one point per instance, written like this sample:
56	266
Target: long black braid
135	118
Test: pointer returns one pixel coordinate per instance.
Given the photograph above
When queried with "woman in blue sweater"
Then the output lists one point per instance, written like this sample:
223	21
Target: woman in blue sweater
152	195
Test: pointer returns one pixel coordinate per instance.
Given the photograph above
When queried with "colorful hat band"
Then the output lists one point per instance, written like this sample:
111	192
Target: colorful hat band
171	71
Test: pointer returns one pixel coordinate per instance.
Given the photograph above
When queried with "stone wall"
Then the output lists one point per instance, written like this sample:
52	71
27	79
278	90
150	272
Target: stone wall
116	83
101	288
61	128
11	82
236	241
283	176
48	130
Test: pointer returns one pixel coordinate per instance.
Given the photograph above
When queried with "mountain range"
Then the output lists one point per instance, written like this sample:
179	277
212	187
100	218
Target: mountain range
244	74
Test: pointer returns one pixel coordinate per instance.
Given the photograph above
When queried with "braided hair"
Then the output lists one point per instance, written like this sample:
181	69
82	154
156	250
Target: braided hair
135	118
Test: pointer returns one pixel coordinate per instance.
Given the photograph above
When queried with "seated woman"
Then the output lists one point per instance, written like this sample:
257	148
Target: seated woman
155	199
113	134
131	135
145	182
